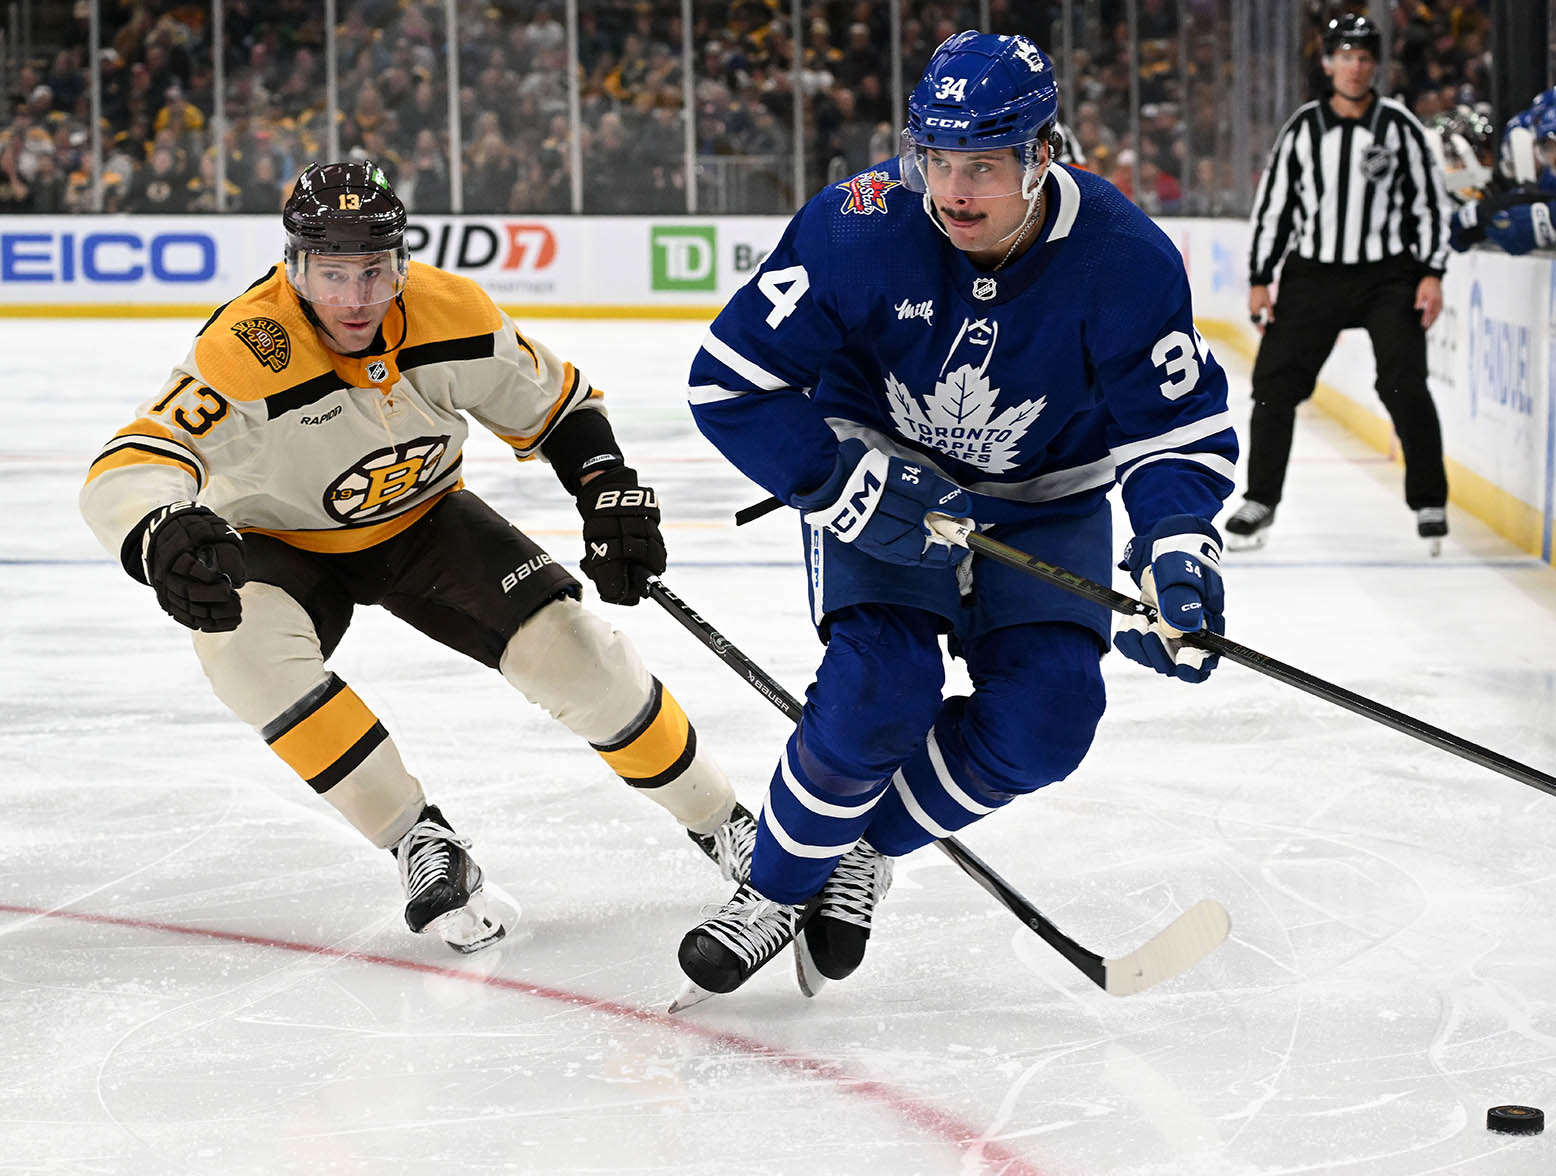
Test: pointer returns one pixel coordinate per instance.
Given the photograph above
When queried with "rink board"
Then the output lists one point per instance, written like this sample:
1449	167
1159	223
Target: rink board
1492	355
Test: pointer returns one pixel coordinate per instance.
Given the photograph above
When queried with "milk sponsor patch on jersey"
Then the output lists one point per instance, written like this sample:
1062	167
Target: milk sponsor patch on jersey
962	417
267	339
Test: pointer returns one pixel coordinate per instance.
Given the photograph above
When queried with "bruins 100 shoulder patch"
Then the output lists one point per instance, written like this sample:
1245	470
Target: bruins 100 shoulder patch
267	339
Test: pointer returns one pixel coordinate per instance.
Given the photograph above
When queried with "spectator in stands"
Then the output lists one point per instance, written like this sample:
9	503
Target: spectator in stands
263	191
158	187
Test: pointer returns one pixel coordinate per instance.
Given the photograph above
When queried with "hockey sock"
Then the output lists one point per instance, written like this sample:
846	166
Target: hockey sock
813	815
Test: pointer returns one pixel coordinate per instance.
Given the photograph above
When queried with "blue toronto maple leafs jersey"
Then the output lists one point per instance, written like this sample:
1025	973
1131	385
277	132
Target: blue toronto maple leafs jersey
1036	387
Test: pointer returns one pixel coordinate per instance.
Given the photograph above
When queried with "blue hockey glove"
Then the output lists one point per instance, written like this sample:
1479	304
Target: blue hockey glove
878	503
1522	228
1178	568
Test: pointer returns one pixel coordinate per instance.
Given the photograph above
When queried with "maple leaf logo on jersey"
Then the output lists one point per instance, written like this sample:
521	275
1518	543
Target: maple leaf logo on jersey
867	192
958	417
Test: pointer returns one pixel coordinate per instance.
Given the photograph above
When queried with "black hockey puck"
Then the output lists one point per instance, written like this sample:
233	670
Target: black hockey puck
1516	1120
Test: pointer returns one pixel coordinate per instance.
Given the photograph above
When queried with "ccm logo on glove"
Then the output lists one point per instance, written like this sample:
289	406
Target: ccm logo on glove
878	503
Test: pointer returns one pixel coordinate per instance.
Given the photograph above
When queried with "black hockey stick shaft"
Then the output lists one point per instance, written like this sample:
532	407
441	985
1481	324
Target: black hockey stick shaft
960	532
1089	963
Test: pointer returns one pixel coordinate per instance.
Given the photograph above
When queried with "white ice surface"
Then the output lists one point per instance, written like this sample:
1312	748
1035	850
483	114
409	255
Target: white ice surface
203	970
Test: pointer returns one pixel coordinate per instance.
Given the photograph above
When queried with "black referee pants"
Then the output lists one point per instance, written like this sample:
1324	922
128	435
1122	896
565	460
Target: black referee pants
1316	303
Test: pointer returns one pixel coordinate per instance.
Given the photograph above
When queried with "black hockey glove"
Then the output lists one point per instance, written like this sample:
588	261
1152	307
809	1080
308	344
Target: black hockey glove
194	561
622	543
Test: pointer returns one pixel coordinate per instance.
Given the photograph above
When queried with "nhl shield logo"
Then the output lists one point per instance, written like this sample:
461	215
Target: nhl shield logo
267	339
378	371
984	289
1377	163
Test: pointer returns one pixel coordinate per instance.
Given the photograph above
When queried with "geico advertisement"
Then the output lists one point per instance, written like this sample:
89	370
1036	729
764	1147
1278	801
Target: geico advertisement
582	261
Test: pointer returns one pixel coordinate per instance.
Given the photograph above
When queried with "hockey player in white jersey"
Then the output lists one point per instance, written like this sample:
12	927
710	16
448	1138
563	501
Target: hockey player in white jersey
304	459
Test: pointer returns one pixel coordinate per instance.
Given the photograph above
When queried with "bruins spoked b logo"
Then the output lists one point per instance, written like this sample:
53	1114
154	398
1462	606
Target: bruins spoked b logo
384	482
267	339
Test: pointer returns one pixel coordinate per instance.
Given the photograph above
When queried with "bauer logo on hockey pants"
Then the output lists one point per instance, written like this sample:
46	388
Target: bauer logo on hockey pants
524	571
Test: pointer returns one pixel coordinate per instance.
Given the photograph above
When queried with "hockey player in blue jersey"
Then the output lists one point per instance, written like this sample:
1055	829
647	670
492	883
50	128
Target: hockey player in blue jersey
975	330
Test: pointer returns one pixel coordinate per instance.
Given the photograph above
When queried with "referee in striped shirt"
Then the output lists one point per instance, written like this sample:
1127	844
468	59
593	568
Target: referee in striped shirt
1353	201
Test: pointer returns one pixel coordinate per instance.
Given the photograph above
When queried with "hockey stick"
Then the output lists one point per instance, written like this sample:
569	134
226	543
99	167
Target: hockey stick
1183	943
961	533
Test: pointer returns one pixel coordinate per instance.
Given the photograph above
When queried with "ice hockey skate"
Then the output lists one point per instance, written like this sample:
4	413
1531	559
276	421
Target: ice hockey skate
1246	529
832	944
727	948
1432	525
443	886
729	846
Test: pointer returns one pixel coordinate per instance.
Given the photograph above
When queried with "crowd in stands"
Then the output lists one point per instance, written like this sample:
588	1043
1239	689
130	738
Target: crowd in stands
160	152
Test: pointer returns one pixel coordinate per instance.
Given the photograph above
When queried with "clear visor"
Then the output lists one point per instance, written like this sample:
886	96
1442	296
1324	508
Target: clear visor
1462	170
988	173
348	279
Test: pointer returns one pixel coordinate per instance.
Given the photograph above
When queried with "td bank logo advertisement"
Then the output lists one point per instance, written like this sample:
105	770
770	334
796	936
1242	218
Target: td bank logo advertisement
683	258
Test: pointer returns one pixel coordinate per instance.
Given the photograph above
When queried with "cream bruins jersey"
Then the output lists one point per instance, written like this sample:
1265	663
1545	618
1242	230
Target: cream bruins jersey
279	435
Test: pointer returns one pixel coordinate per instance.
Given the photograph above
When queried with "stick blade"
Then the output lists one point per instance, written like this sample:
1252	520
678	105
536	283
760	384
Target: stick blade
1189	938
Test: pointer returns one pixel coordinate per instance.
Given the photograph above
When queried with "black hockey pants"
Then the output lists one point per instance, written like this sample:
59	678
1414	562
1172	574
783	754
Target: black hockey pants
1316	303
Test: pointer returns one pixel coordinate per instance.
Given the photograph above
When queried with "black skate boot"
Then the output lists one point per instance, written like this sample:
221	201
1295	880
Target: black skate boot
1246	528
443	885
1432	525
833	942
729	846
725	950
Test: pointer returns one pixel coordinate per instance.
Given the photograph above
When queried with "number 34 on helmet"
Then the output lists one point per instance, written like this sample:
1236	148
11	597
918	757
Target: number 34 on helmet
982	91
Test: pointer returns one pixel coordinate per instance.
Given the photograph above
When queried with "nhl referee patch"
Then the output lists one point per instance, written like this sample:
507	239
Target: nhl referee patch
267	339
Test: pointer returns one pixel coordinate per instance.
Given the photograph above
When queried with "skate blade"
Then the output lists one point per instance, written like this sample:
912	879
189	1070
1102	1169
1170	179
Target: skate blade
469	929
690	994
1245	542
1434	547
806	974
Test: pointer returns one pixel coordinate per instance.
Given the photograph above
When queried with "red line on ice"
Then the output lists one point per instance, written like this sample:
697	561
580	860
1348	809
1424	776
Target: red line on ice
929	1119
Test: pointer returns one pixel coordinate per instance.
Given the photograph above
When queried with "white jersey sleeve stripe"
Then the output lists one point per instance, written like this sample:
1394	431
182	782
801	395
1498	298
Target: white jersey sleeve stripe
713	393
1215	463
1174	438
740	365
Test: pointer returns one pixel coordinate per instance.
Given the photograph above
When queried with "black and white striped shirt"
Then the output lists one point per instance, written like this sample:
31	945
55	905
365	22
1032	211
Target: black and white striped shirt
1341	190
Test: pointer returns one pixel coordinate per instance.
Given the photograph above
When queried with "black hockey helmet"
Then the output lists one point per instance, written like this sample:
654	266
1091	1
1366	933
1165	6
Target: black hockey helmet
345	210
1351	30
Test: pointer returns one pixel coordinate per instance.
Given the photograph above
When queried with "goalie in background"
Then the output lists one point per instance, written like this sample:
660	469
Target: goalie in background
304	459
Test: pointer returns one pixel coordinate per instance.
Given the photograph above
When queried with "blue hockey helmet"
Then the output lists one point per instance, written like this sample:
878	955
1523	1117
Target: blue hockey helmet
982	91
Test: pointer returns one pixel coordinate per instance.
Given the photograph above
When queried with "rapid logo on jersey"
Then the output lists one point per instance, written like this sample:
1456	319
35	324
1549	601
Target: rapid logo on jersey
267	339
375	486
867	192
959	417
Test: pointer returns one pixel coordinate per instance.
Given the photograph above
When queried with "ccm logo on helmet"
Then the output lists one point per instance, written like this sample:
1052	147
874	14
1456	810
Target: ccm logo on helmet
954	124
